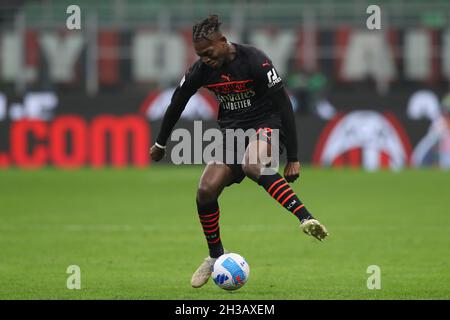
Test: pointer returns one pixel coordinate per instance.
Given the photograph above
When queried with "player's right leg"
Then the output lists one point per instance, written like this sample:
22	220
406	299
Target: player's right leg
214	179
279	188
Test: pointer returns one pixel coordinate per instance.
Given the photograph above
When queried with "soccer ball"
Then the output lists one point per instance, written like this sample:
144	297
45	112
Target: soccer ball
230	271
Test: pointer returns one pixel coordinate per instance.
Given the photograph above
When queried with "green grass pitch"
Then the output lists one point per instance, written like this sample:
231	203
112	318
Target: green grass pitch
135	234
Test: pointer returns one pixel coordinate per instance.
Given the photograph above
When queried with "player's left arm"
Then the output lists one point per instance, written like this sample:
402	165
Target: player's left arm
272	85
281	100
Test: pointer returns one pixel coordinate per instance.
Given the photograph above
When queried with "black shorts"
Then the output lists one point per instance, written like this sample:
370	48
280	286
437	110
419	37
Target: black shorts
236	149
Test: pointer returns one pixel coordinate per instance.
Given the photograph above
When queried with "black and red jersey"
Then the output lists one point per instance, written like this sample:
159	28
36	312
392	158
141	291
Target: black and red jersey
242	87
248	91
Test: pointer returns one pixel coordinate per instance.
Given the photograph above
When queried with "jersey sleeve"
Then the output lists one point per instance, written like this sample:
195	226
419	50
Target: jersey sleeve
188	86
192	80
281	100
265	74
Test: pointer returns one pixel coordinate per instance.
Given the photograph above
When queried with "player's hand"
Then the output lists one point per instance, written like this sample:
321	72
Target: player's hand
156	153
292	171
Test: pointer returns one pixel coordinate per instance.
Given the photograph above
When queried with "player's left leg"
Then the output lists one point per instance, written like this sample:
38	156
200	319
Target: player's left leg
278	187
212	182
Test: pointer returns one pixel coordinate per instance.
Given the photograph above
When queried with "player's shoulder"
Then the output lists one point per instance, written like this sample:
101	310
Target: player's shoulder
252	52
197	67
196	73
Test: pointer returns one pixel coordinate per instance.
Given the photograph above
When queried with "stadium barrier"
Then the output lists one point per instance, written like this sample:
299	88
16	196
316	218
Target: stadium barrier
72	131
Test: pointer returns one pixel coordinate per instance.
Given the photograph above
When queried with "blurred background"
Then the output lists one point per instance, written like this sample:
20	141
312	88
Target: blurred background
95	95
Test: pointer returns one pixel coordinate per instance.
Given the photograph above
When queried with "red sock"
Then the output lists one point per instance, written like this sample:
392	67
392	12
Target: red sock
280	190
209	218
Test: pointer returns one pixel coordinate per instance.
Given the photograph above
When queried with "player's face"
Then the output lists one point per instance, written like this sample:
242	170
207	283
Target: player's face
212	52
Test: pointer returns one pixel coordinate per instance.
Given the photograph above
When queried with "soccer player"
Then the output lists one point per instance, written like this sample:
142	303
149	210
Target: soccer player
251	96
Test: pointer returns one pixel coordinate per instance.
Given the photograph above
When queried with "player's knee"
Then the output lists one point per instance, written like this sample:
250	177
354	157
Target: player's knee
251	170
206	193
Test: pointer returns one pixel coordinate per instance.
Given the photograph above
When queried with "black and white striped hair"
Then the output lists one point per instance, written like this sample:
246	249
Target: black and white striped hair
205	28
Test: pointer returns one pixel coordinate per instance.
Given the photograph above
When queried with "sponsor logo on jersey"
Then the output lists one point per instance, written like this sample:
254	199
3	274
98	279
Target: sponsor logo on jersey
233	95
230	87
273	78
235	101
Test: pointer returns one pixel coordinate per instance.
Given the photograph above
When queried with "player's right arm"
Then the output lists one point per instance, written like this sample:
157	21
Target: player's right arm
189	84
